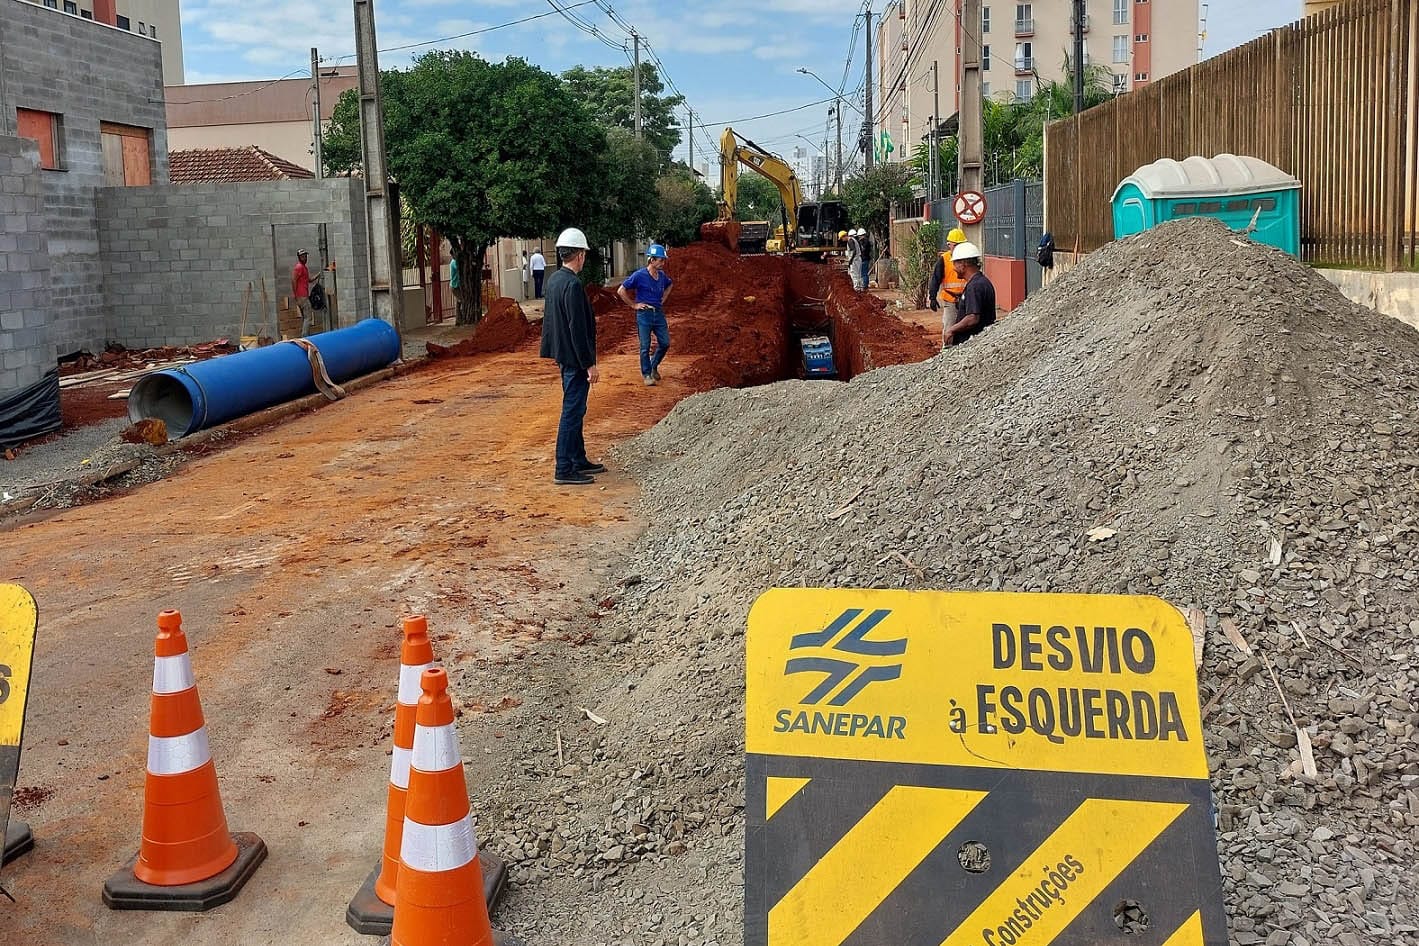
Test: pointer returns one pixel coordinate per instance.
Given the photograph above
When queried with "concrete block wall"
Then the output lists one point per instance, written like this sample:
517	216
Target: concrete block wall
87	73
26	348
177	258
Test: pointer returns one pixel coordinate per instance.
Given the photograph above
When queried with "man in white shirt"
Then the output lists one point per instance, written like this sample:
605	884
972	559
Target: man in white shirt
538	265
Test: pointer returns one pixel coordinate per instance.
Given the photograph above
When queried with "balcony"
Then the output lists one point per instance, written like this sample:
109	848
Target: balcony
1025	27
1025	65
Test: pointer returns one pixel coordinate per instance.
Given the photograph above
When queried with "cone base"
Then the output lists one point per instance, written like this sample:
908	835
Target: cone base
18	841
371	916
124	891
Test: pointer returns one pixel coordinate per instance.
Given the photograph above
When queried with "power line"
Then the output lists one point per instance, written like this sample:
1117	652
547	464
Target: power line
486	29
587	27
782	111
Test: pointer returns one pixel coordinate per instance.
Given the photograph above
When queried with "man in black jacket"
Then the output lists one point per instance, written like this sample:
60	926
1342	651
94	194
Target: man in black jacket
569	339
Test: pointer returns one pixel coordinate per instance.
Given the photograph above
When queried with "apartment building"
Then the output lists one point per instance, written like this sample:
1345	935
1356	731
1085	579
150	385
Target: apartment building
156	19
1022	44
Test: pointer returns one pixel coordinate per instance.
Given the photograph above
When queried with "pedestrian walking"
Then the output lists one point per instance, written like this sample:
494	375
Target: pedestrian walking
569	339
975	311
538	265
300	291
526	274
646	291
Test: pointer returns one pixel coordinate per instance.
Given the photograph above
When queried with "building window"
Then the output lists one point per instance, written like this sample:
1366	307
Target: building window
1120	12
142	28
1120	84
1140	77
52	4
985	90
127	155
1024	58
153	31
71	7
46	130
984	58
1024	89
124	23
1141	38
985	19
87	14
1120	49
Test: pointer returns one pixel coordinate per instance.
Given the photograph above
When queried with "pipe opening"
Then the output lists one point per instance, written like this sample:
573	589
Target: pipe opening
166	398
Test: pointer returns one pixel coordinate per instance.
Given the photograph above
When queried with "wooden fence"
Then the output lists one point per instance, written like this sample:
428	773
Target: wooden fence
1330	99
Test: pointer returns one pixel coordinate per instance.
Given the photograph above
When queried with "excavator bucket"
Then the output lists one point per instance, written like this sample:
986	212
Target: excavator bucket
725	232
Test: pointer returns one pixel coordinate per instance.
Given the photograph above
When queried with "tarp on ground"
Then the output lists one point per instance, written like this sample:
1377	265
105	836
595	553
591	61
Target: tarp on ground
30	411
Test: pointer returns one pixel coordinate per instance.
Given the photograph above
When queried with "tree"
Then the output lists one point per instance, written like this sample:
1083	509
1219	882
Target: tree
627	198
610	96
340	144
869	196
684	202
758	198
486	150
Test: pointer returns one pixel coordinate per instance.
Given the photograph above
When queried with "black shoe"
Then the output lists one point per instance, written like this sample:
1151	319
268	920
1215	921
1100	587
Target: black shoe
573	479
591	468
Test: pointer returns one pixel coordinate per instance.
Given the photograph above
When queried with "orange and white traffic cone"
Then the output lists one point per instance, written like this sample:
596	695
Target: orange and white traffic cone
187	859
440	897
372	910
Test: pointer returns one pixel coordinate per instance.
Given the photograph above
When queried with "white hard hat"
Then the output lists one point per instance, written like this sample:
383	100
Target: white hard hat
965	251
572	239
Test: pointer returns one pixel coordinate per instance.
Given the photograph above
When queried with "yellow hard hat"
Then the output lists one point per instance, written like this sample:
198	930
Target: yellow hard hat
841	234
957	235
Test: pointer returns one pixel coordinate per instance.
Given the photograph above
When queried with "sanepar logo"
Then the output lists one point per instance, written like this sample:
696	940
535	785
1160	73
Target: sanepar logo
848	663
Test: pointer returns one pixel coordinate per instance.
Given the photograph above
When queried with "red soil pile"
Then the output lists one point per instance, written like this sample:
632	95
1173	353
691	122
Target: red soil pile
503	328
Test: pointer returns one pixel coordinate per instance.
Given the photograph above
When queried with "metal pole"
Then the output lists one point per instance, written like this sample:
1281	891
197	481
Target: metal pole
972	135
690	113
935	186
838	181
871	77
636	39
380	214
319	143
1078	56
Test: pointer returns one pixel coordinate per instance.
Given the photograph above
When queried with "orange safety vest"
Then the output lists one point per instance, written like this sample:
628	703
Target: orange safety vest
952	286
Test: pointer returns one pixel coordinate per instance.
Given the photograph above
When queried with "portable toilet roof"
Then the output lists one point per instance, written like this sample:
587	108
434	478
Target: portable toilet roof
1198	177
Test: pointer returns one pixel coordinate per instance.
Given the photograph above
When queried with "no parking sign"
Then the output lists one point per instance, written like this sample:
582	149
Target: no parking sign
969	207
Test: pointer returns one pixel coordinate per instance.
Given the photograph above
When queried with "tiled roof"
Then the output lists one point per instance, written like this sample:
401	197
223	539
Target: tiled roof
231	165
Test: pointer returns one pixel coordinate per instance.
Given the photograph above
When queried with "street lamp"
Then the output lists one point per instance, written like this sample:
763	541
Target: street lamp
836	94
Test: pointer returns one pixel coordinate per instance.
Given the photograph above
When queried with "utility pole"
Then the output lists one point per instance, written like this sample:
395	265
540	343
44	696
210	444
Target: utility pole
319	144
871	77
935	186
838	180
636	39
1078	56
690	114
972	135
381	214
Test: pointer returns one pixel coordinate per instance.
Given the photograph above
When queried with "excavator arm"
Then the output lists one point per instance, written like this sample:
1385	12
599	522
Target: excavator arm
731	155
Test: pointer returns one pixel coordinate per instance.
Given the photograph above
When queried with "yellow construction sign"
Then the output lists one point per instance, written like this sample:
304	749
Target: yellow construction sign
963	768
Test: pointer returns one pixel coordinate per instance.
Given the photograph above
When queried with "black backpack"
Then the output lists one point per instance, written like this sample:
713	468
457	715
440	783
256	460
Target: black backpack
1045	254
317	297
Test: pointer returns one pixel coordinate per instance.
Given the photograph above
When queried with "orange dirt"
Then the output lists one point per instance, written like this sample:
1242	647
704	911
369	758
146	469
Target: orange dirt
292	553
503	328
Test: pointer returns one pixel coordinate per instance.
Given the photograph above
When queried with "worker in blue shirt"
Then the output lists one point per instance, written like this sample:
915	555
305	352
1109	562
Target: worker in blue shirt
651	287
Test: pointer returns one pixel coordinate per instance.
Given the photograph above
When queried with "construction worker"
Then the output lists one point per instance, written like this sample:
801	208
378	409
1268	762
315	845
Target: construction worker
946	288
864	243
569	339
975	310
651	285
300	291
854	256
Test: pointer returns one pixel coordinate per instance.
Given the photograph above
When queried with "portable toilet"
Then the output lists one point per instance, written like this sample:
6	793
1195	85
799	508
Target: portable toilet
1231	188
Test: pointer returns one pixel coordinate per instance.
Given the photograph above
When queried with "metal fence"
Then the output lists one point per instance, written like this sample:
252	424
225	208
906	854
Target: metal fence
1014	223
1328	99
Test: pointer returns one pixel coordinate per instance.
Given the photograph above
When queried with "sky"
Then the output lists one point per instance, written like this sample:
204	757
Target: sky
732	59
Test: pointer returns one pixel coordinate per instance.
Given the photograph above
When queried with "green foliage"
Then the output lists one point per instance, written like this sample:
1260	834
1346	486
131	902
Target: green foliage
609	94
340	145
758	199
684	203
627	170
486	150
920	250
869	196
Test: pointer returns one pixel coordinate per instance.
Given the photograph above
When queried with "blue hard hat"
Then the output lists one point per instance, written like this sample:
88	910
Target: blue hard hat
656	251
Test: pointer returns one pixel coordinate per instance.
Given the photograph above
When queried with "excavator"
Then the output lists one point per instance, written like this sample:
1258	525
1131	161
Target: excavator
809	228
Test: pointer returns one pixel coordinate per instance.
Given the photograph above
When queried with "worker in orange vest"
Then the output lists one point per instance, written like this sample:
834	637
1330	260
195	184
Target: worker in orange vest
946	286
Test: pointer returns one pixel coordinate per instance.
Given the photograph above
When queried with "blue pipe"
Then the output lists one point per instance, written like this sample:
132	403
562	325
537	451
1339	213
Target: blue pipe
207	393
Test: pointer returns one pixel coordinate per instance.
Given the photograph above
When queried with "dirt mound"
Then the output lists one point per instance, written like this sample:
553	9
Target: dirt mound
503	328
1248	434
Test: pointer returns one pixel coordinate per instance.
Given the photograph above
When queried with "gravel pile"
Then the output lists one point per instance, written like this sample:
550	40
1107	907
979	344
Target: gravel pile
1249	436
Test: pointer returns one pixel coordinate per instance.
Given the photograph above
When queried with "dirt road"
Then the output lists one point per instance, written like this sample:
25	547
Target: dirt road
292	555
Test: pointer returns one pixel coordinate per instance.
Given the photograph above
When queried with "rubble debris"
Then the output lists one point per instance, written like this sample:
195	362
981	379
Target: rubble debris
118	357
153	431
504	327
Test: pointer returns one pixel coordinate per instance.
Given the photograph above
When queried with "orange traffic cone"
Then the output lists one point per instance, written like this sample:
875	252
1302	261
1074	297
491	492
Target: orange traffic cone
187	860
371	911
440	883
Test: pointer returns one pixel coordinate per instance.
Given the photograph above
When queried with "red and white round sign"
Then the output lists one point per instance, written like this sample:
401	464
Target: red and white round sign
969	207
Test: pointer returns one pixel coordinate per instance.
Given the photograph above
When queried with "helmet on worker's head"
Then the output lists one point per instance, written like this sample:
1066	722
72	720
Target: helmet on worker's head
572	239
965	251
656	251
957	235
842	234
859	232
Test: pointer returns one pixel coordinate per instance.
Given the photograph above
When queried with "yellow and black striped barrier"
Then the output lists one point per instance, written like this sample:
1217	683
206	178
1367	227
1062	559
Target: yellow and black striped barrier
18	618
970	769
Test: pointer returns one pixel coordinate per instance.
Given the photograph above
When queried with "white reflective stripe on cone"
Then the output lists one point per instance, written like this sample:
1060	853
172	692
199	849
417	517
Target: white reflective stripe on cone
174	755
409	690
399	768
433	848
172	674
435	748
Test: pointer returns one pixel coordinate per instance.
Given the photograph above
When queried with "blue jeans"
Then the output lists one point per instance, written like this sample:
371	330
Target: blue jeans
571	445
866	267
648	321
